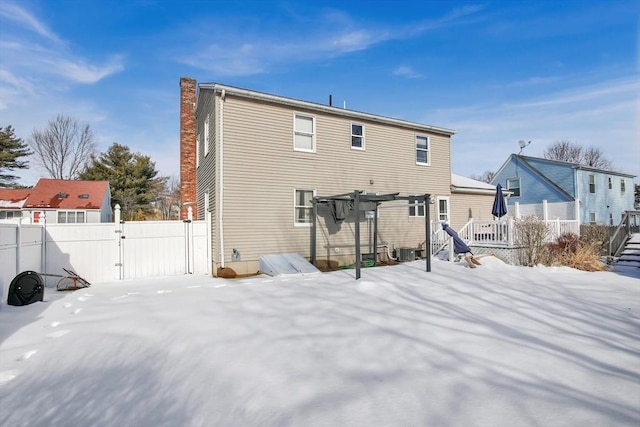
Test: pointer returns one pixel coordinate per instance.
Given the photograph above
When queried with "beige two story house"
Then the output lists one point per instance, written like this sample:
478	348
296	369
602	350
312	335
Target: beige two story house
252	162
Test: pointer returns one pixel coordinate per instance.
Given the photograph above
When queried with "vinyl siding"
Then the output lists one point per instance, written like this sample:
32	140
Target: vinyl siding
467	206
207	170
533	189
262	170
561	175
604	201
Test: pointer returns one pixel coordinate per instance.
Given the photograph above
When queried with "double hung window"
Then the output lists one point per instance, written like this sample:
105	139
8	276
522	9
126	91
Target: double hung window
304	129
422	150
357	136
303	207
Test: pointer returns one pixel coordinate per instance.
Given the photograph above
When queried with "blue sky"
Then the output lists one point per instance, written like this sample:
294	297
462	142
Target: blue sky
495	71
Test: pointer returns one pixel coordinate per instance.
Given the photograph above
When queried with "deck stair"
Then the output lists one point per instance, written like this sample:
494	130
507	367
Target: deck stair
630	255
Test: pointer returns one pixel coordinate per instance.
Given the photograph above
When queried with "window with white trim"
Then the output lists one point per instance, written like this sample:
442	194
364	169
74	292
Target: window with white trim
513	185
303	206
198	145
10	214
71	217
592	184
592	217
610	183
206	134
416	208
357	136
623	186
443	209
304	129
610	218
422	150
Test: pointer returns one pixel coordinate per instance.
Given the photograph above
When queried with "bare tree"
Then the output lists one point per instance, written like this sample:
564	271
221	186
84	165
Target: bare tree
64	147
168	200
593	157
565	151
571	152
486	176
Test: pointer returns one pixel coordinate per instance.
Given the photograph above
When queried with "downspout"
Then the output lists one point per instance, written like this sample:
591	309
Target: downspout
221	179
576	184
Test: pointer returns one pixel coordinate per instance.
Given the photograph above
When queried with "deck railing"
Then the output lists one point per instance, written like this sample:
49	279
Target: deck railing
498	233
622	233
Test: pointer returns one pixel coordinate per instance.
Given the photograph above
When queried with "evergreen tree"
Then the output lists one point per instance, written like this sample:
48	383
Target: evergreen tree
132	177
11	150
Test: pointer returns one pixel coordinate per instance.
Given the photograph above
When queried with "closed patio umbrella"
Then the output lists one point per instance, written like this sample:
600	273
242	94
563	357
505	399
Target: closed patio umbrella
499	205
459	245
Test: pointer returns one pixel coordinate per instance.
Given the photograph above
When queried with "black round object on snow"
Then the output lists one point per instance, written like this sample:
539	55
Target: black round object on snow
26	288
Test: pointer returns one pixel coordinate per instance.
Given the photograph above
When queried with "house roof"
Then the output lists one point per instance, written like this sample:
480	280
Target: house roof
67	194
13	198
572	165
460	181
462	184
231	90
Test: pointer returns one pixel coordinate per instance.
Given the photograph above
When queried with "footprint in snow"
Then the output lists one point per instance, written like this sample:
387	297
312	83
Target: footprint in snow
26	356
164	292
54	324
82	298
67	305
76	311
57	334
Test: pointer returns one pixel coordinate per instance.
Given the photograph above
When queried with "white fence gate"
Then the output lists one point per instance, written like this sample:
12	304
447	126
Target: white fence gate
105	252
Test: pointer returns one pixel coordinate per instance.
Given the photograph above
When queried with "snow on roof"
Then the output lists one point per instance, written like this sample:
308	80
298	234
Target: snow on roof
13	198
464	182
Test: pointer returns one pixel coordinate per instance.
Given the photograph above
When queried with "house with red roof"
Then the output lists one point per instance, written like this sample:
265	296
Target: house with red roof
61	200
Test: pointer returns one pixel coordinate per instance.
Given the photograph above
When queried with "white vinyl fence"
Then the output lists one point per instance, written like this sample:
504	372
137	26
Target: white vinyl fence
561	218
106	251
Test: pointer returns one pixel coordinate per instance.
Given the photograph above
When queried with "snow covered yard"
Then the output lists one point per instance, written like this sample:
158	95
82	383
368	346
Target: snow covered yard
494	346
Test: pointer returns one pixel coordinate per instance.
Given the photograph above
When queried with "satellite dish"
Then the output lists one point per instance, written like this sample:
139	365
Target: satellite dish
522	143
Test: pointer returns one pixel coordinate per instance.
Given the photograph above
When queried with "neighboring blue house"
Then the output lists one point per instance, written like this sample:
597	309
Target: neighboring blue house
604	195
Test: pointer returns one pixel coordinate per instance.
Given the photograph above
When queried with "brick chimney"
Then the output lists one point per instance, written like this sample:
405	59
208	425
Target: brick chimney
188	147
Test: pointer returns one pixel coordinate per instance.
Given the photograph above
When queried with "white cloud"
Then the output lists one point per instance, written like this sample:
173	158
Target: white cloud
38	55
602	115
406	71
251	52
79	72
22	17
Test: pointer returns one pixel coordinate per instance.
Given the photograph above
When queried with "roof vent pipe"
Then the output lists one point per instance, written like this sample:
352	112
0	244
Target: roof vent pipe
330	100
